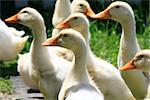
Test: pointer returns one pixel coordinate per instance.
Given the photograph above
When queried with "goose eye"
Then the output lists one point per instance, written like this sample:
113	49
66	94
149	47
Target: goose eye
117	6
141	56
81	5
75	18
65	35
24	12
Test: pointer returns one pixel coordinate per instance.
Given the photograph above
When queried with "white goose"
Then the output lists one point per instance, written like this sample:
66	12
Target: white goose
105	75
48	70
11	42
123	13
61	12
81	6
63	9
77	84
141	61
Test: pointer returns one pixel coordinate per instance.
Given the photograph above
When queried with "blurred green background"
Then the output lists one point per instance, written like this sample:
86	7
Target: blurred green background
105	34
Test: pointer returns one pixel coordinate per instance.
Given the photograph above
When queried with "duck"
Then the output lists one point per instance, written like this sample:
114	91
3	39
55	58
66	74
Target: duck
82	6
61	12
63	8
122	12
77	85
104	74
24	68
47	69
141	62
11	42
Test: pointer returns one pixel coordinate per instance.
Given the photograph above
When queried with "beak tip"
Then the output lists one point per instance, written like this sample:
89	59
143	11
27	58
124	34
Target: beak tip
6	20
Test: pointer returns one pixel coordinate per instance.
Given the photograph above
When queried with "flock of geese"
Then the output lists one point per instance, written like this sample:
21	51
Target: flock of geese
64	67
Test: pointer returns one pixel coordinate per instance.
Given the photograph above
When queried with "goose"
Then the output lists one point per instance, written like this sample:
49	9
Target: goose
63	8
82	6
77	84
105	75
47	70
141	61
122	12
25	70
61	12
76	6
11	42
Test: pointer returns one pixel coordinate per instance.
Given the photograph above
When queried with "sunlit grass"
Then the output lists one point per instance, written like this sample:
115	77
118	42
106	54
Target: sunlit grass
6	86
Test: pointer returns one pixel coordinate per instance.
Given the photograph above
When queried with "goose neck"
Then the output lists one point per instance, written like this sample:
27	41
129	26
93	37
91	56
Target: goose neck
129	28
80	66
85	33
39	32
40	54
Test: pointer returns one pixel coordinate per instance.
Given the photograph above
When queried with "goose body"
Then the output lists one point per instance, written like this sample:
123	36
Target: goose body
61	12
123	13
25	70
77	84
48	70
105	75
11	42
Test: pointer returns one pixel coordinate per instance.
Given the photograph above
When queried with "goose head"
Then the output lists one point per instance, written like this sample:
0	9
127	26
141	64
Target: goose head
76	21
82	6
141	61
118	11
27	16
67	38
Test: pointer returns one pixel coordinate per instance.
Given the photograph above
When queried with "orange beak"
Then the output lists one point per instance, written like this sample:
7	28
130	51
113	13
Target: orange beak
53	41
103	15
130	65
12	19
89	12
64	24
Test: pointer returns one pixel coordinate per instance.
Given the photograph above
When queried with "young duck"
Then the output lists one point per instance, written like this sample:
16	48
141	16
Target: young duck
47	70
77	84
11	42
105	75
122	12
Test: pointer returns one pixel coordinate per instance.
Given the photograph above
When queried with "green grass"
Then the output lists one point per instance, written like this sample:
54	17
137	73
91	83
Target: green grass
6	86
104	43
